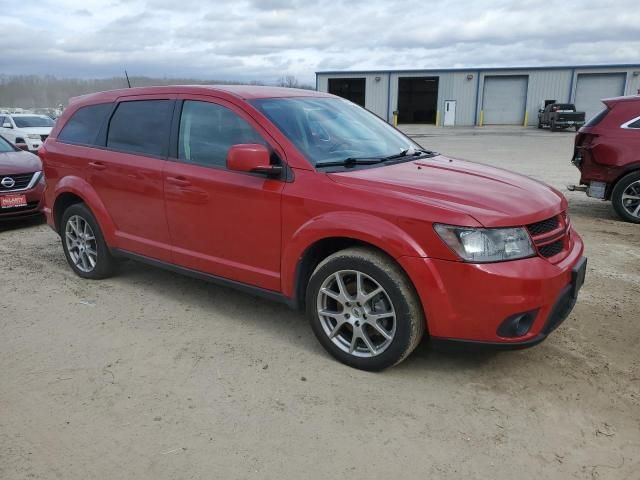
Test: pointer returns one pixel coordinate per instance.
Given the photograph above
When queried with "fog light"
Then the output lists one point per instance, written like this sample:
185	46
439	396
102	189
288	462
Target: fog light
517	325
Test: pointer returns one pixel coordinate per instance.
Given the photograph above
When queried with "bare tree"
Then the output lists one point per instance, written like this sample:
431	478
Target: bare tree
289	81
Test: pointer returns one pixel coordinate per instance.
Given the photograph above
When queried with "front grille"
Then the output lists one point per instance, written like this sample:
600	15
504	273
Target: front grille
14	210
43	137
551	249
21	182
545	226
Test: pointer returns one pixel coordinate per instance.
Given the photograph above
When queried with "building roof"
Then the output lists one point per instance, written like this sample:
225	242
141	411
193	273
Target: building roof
484	69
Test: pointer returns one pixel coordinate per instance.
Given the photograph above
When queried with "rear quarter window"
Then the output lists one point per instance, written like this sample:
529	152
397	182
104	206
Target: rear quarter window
597	118
634	124
84	125
141	126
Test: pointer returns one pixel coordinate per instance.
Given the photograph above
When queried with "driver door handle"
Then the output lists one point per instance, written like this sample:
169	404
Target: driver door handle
178	181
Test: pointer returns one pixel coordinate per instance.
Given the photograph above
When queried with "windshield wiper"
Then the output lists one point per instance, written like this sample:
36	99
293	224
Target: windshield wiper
351	162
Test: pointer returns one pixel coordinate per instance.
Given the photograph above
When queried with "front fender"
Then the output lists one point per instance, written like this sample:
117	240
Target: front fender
377	231
81	188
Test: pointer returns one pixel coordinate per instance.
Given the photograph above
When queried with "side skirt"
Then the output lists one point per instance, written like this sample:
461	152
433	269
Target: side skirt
225	282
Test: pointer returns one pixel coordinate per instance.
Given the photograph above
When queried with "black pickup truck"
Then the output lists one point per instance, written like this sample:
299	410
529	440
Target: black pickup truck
560	115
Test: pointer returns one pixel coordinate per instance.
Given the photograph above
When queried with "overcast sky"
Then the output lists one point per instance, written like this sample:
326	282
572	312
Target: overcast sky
264	39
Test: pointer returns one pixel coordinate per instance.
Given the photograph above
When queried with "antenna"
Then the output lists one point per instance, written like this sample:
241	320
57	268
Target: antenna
127	75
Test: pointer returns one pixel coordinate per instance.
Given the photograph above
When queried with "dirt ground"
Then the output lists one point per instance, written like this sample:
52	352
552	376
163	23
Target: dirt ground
150	375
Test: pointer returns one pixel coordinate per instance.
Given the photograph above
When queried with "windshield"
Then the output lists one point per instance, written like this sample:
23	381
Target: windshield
333	129
33	121
5	146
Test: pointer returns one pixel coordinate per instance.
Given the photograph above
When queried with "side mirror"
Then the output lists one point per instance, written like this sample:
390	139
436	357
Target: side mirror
6	125
252	157
23	146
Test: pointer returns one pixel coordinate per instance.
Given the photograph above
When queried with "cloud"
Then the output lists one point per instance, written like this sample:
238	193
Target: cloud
265	39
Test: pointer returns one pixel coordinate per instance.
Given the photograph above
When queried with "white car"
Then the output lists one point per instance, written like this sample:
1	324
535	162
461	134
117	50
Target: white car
26	128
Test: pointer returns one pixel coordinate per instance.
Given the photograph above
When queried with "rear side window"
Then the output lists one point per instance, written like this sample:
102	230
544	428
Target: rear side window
207	132
597	118
141	126
84	125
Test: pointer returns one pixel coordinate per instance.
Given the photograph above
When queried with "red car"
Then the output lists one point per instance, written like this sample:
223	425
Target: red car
306	198
21	182
607	153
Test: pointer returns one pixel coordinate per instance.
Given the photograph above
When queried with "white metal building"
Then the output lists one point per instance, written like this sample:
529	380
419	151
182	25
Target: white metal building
480	96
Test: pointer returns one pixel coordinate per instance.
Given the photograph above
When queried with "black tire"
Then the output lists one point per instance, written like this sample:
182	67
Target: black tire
410	323
577	127
618	191
553	126
104	261
539	124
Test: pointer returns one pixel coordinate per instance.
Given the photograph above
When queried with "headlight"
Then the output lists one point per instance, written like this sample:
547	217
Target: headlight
486	244
33	136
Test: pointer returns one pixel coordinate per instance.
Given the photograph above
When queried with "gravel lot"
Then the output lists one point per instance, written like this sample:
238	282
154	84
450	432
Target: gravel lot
153	375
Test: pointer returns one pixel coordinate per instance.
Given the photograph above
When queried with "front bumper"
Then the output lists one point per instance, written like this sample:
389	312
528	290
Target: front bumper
466	303
34	204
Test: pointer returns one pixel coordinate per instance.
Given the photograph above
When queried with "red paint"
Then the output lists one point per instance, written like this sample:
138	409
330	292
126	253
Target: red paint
255	229
608	151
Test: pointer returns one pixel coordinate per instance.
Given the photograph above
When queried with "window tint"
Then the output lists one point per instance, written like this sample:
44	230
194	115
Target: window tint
84	125
635	124
5	146
30	121
141	126
207	131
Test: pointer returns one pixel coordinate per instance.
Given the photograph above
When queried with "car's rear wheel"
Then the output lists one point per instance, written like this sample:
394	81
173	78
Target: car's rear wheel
84	244
553	126
626	197
364	310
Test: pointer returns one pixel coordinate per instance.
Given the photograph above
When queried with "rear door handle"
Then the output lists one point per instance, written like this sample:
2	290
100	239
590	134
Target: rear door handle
97	165
178	181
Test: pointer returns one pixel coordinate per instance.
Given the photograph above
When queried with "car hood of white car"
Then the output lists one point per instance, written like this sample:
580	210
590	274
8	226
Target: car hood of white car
37	130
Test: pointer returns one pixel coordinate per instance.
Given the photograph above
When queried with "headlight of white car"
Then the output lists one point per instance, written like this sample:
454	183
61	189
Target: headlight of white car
33	136
481	245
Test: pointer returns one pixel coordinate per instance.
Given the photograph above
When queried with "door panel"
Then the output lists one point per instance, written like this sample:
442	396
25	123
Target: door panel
222	222
129	181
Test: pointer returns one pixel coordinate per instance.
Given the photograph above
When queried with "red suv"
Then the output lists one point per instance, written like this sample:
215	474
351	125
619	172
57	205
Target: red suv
306	198
607	153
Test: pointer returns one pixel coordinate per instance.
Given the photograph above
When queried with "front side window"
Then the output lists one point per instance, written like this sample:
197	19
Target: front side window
33	121
141	126
208	131
333	129
84	125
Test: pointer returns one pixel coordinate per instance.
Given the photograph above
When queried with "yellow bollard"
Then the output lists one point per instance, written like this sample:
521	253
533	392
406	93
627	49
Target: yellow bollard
481	118
526	119
437	118
395	118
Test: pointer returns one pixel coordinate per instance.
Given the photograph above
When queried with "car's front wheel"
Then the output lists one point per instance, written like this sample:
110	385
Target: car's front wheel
626	197
84	245
364	310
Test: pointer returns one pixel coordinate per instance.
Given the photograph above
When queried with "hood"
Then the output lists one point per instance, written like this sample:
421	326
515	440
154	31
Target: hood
492	196
14	163
36	130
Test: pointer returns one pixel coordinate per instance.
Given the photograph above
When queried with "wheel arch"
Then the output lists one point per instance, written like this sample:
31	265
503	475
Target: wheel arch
319	238
72	190
628	169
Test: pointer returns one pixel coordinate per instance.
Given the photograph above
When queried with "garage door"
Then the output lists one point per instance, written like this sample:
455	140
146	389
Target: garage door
593	87
504	100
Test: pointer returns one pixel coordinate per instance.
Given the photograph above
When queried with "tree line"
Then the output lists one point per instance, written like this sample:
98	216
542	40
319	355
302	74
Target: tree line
34	91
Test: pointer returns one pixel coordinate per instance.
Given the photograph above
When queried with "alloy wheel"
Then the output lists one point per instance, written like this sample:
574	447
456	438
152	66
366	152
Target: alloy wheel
356	313
81	243
631	199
